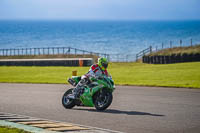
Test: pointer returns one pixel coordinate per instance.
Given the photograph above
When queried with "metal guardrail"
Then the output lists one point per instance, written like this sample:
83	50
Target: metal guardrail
143	52
48	51
122	57
75	51
64	51
163	46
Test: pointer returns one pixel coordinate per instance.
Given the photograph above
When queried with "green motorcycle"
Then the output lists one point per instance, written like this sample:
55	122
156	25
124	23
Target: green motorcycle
97	93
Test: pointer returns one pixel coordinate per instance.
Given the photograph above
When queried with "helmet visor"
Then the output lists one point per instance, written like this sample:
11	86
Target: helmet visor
105	65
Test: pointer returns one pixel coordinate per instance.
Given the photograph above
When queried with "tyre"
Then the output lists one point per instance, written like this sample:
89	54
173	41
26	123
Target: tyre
103	100
66	102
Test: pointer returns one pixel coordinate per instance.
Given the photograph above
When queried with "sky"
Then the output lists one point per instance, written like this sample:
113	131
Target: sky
100	9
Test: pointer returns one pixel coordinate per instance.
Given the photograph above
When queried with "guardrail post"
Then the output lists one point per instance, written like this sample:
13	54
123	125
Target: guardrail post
69	49
6	52
75	51
30	51
136	57
48	50
180	43
150	48
10	51
34	51
22	51
39	51
43	51
58	51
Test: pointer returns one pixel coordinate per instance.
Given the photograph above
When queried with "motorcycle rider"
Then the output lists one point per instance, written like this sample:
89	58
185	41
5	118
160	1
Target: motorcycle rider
96	71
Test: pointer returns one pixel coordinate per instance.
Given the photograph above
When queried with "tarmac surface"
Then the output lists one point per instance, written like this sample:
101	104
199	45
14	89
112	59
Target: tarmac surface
134	109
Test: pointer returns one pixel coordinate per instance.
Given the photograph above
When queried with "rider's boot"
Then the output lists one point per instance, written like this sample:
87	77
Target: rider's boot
77	90
75	93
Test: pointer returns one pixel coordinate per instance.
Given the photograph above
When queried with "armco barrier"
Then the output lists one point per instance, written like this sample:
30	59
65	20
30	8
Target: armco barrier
171	59
47	62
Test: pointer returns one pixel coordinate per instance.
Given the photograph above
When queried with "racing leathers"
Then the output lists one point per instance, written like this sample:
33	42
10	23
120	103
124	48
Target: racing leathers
94	72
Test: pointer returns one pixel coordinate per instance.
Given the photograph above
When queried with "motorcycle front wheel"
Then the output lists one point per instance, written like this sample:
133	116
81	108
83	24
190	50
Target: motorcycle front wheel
66	102
103	100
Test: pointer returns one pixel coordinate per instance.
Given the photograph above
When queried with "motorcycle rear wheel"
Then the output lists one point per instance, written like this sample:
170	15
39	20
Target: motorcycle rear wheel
103	100
66	102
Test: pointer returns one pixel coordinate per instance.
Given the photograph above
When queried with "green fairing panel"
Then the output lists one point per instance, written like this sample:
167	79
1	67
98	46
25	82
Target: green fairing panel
86	98
106	85
94	90
76	78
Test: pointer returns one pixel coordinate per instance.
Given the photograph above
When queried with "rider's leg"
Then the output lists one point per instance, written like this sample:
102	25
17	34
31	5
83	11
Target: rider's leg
77	89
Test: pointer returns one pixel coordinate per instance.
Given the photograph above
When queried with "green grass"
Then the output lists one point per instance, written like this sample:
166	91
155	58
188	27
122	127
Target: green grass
171	75
178	50
4	129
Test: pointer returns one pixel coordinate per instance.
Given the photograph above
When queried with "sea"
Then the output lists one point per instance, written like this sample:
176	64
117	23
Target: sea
110	37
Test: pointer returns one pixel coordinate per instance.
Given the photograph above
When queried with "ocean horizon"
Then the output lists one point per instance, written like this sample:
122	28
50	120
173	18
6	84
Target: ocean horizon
110	37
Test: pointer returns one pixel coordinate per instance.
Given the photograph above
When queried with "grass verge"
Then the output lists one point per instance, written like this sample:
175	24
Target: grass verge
168	75
5	129
178	50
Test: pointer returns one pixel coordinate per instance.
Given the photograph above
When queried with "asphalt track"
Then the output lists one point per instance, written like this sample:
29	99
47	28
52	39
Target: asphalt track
134	109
